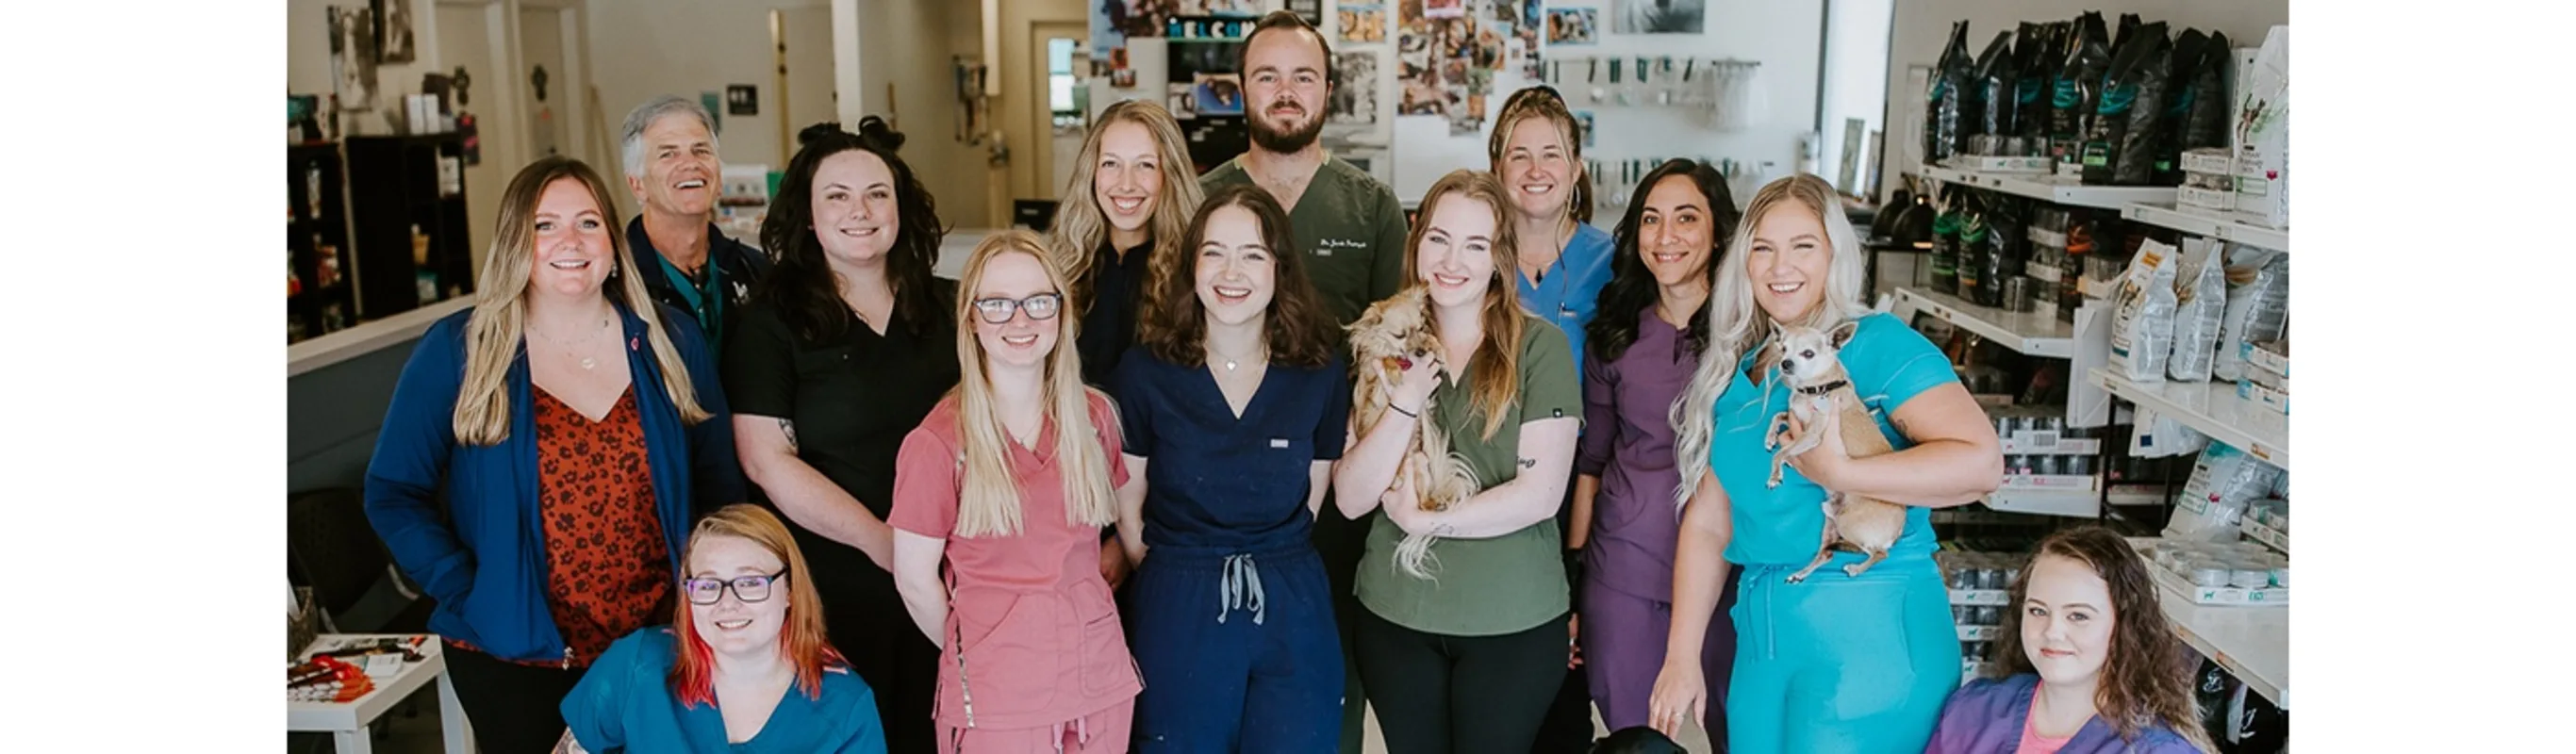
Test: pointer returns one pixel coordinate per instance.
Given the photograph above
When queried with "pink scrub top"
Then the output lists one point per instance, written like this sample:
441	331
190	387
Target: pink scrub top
1032	638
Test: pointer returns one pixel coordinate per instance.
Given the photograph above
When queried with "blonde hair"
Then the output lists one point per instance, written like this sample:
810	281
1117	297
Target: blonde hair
1497	360
1544	103
497	330
989	499
1081	226
802	640
1736	324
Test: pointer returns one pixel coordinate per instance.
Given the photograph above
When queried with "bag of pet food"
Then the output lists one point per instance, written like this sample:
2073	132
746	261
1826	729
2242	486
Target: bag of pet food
2222	484
2206	123
2142	325
2004	253
2128	32
2078	87
1947	100
2258	305
1972	251
2120	148
1991	87
2155	435
2263	156
1944	264
2047	51
2202	305
2182	64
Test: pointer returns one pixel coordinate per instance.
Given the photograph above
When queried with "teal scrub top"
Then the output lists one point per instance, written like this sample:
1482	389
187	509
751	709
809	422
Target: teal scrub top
1888	364
625	703
1569	292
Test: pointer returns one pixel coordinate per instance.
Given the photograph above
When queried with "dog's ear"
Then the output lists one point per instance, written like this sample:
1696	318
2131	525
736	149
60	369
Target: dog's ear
1842	333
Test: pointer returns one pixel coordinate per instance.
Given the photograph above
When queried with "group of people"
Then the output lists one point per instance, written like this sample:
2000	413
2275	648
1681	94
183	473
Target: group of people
1102	492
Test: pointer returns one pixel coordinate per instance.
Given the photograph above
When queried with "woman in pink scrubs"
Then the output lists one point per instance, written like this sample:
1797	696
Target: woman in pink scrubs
999	501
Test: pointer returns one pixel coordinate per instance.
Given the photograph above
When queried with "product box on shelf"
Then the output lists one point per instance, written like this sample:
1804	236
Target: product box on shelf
2210	160
2188	198
2256	395
1983	164
2234	572
2264	533
2272	355
2070	482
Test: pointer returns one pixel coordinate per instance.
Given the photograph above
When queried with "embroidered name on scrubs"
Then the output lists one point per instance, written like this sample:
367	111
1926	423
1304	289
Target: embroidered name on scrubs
1279	443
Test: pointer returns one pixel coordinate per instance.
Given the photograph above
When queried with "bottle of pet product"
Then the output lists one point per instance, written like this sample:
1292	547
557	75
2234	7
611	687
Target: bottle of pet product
1945	251
1971	256
2142	327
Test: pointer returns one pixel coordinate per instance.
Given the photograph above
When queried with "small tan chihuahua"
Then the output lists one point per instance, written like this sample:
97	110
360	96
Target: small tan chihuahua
1809	362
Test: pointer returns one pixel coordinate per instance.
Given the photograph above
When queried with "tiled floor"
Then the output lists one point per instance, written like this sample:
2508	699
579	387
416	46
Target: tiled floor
419	735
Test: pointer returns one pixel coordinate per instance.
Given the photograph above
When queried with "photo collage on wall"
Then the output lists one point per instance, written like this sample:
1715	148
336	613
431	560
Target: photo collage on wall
1448	50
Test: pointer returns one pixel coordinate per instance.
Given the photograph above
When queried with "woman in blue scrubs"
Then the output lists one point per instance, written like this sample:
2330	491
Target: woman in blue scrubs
1234	404
1835	663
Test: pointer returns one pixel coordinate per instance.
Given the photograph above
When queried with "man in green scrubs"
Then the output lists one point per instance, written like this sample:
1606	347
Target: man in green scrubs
1351	229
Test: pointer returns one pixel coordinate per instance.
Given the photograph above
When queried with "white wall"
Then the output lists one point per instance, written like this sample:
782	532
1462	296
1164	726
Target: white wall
1923	26
1855	82
1785	35
308	56
644	48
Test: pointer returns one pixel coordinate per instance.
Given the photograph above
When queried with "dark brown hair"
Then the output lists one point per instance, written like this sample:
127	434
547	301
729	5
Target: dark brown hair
801	284
2144	681
1497	361
1632	286
1285	19
1174	324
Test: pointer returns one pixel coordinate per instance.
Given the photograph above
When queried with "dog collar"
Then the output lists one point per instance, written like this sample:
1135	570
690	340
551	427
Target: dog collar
1824	388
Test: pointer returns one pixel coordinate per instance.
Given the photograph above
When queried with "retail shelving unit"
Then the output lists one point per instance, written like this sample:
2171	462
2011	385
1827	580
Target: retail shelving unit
394	191
2210	408
2050	188
2252	643
2233	227
324	298
2023	332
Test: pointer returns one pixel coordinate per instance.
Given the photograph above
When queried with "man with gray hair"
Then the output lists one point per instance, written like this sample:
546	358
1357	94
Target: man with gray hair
669	146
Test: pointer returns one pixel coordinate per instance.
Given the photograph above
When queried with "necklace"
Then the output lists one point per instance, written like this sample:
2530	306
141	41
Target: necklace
587	362
1233	362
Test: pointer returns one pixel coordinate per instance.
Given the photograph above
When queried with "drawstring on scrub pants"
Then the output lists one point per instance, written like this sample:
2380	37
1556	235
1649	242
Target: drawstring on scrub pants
1240	588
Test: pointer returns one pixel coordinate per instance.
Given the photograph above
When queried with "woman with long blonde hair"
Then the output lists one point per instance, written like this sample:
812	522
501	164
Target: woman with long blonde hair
575	427
744	662
1121	220
1483	637
1836	662
1000	498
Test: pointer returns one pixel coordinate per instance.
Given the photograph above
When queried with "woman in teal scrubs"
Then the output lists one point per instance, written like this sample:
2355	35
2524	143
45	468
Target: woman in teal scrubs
1835	663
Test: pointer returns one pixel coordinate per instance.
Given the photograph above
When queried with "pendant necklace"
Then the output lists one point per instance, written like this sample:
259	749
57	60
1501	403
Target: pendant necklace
587	362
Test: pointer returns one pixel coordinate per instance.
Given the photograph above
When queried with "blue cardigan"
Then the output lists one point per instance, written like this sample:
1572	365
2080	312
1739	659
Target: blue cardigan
625	703
479	549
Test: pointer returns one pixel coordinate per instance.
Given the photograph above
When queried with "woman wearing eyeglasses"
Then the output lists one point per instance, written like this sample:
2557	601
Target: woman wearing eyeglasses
743	666
1008	485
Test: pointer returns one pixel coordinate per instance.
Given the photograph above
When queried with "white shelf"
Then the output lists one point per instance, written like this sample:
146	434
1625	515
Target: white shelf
2049	188
2233	227
2212	408
2252	643
2030	333
2072	503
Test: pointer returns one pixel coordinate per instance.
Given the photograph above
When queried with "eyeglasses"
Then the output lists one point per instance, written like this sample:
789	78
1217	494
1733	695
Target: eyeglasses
1040	307
753	588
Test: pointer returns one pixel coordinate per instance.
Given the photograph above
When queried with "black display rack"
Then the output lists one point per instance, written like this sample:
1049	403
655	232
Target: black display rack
321	297
394	188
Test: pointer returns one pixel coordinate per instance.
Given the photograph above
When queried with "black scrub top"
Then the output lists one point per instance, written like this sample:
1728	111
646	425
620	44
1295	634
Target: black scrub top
1109	327
853	398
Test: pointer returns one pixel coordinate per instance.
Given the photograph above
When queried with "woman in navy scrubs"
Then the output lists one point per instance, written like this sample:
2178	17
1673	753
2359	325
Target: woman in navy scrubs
1233	404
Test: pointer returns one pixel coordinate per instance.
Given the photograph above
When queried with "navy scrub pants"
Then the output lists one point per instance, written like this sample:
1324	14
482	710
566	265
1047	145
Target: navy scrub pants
1238	650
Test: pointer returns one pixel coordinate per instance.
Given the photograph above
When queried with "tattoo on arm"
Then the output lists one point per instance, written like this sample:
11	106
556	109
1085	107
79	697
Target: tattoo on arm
788	428
1529	463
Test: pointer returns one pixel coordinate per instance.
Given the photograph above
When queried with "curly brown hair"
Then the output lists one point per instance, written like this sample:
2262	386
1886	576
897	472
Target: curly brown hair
2144	681
1173	325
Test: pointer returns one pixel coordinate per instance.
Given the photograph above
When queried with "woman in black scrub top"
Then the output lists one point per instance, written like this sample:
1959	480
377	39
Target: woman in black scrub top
843	350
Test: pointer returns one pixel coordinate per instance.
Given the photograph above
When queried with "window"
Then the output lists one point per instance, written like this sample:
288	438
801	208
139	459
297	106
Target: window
1060	78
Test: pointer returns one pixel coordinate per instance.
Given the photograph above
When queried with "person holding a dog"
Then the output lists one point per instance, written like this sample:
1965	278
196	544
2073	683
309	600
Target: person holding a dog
1833	663
999	500
2086	664
1468	656
1644	345
1234	405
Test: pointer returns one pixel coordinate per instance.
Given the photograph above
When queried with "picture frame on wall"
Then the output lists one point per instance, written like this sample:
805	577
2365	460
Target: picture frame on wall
393	31
1659	16
1572	26
1354	98
353	57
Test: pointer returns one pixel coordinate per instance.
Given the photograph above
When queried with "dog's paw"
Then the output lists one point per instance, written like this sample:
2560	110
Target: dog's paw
1795	578
1854	570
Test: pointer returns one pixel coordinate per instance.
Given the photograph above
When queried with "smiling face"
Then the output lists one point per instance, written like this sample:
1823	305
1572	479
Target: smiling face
1456	258
732	626
2066	620
1021	341
680	167
854	207
1284	82
1237	275
1128	179
1675	236
573	247
1537	167
1788	261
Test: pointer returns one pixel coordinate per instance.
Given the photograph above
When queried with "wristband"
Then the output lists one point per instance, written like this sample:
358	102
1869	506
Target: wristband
1390	406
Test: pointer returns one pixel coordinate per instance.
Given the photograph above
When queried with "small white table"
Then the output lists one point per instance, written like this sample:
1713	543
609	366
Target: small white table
348	722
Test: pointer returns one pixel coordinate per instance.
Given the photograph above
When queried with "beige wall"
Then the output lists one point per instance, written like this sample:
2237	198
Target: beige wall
645	48
1922	26
1015	110
907	45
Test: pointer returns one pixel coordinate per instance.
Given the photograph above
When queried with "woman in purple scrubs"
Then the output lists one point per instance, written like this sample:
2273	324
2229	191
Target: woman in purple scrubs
1642	348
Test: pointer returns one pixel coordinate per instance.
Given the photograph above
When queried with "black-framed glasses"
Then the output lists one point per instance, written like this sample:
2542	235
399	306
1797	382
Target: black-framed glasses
1040	307
753	588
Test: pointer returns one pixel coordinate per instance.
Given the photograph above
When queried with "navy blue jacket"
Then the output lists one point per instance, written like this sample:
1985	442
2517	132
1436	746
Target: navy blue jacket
743	265
479	549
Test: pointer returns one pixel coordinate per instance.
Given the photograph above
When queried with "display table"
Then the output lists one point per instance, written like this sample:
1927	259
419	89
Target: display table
348	722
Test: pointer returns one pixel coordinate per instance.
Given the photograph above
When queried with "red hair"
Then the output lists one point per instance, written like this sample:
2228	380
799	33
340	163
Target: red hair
693	673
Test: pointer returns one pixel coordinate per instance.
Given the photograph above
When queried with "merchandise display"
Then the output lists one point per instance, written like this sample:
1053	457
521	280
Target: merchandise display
2202	305
2263	133
2143	329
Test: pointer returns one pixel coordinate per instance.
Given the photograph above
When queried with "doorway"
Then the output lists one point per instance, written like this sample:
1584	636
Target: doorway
1060	112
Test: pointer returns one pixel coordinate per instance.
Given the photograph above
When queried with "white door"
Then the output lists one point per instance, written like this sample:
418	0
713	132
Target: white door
809	95
541	52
